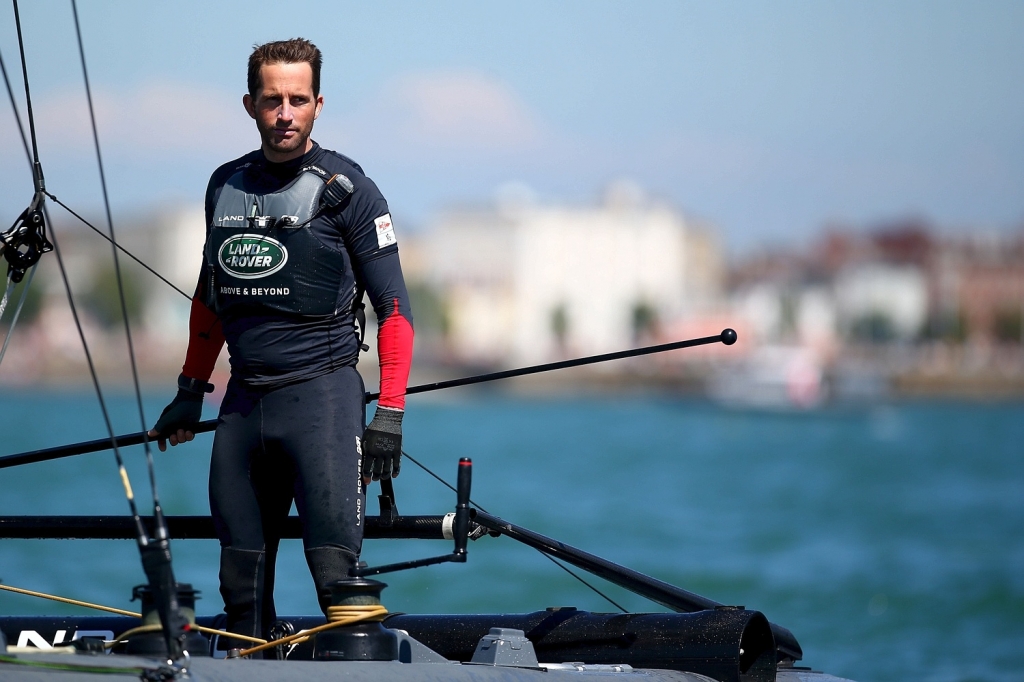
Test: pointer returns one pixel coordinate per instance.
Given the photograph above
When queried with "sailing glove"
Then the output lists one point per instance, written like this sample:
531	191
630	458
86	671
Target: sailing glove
186	410
382	445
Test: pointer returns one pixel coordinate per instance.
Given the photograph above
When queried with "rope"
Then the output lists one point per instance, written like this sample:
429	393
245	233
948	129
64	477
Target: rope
14	107
550	558
37	170
120	612
123	250
28	155
7	295
17	312
367	612
73	602
37	176
140	530
117	272
128	634
338	616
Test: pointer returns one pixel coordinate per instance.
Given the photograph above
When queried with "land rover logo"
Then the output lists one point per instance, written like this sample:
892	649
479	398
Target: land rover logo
251	256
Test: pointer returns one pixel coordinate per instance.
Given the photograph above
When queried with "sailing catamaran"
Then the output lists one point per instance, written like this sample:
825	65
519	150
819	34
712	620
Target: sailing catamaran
700	640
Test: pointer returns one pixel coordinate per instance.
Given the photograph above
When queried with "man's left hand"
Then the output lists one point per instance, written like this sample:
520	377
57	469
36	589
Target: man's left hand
382	445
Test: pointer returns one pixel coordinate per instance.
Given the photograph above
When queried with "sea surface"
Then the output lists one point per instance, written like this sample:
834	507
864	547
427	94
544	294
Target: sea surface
889	538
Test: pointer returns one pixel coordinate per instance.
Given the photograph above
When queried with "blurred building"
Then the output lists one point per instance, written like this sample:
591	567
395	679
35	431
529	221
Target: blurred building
881	301
518	282
984	280
46	345
524	282
900	283
899	306
174	247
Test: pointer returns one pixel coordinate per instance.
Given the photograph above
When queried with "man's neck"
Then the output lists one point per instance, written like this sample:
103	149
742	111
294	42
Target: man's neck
276	157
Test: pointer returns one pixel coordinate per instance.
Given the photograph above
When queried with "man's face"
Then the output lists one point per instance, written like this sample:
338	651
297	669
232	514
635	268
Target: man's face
284	110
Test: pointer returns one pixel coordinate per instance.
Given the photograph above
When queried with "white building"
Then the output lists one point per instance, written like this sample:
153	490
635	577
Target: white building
527	283
896	293
176	246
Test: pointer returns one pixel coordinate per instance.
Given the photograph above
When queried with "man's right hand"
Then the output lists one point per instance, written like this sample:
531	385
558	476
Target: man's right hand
176	437
178	420
382	445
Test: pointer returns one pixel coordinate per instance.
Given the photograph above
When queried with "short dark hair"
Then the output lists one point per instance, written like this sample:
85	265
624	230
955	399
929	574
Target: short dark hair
294	51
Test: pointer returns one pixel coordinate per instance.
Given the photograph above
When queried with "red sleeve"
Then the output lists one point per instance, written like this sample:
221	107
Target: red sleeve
205	339
394	346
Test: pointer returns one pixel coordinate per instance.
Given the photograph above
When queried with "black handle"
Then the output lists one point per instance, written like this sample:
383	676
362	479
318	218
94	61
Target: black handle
464	482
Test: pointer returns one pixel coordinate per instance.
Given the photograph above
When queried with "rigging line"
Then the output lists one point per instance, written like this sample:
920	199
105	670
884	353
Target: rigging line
440	480
32	273
553	560
568	570
66	600
117	263
6	297
28	155
14	107
140	530
120	612
123	250
17	312
37	169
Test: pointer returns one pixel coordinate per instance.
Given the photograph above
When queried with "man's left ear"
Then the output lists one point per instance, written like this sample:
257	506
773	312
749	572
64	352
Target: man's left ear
319	106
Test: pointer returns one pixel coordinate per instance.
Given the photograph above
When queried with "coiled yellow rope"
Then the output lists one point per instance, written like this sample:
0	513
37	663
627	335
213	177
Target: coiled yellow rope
367	612
338	616
121	612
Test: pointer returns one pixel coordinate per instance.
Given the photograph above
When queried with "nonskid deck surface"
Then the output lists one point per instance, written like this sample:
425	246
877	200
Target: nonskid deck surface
121	668
211	670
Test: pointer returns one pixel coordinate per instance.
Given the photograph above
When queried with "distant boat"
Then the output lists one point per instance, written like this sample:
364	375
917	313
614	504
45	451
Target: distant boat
772	377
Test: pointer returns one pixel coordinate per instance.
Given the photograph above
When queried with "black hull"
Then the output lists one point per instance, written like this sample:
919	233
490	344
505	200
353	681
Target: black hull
725	644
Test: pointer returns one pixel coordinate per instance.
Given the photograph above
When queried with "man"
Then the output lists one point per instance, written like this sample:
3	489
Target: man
295	233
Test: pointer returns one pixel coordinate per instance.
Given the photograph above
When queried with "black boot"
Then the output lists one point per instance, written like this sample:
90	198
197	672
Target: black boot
328	564
242	585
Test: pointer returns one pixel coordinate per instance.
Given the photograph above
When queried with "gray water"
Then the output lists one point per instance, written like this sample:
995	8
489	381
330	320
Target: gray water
887	538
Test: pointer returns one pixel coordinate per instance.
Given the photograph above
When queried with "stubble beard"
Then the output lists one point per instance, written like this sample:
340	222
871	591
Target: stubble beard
287	146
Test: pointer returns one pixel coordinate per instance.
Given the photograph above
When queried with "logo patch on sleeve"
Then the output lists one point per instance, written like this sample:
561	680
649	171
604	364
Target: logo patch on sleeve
385	231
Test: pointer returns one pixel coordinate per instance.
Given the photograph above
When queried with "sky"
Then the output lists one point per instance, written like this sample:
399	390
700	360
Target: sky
769	120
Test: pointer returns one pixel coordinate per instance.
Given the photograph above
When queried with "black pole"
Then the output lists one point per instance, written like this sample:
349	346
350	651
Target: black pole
657	591
660	592
97	445
728	337
462	510
197	528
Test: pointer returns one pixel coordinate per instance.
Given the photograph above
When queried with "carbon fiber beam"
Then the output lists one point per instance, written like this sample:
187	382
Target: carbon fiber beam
193	528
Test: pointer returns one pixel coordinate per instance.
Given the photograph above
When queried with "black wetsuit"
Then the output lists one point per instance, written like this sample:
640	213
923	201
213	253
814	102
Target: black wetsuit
291	420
